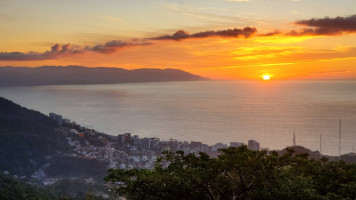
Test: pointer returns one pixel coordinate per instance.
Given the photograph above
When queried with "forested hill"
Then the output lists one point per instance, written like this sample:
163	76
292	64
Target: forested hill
58	75
26	138
30	143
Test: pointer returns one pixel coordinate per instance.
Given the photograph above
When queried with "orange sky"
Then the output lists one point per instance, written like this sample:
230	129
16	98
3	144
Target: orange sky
319	54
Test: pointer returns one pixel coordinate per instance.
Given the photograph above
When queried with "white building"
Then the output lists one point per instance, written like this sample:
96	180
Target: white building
236	144
219	146
57	118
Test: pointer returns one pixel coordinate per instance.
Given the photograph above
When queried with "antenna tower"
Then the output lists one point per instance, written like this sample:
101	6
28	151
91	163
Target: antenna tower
339	139
321	143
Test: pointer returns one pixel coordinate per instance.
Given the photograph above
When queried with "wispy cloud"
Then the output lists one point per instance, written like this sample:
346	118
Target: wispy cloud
212	14
115	19
251	0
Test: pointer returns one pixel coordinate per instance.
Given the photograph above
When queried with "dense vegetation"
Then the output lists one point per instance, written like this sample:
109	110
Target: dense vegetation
11	189
237	173
77	189
77	167
66	189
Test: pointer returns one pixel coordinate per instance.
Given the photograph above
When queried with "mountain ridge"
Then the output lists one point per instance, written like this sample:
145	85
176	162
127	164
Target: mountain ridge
74	74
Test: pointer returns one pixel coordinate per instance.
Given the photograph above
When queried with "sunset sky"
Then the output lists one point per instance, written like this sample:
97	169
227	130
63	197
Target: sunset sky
219	39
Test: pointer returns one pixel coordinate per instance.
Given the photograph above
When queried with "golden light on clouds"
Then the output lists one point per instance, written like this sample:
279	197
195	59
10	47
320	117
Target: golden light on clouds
213	41
282	39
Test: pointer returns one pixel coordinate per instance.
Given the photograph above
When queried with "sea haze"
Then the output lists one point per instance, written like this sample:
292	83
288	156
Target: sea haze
208	111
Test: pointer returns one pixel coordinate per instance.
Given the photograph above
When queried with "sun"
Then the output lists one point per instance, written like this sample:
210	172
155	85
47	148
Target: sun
266	77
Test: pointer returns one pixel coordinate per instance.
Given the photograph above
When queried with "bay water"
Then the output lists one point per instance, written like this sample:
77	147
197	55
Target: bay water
209	111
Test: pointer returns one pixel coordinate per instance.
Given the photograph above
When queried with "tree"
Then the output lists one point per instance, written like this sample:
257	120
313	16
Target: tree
236	174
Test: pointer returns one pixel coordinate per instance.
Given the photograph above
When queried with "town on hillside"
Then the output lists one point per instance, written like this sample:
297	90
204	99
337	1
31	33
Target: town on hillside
129	151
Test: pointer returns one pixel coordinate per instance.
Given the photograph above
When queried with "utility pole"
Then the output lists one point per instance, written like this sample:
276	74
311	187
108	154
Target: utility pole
340	140
294	143
321	144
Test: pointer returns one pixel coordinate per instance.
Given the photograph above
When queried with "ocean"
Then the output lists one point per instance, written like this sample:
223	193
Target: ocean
209	111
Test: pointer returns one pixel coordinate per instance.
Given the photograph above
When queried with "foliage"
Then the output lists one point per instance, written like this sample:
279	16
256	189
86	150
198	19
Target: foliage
237	173
11	189
77	167
77	189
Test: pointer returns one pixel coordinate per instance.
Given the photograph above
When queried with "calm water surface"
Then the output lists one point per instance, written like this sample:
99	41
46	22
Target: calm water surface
208	111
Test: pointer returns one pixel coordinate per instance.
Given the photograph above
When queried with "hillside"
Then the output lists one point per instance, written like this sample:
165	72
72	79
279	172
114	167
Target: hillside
28	142
58	75
26	138
348	158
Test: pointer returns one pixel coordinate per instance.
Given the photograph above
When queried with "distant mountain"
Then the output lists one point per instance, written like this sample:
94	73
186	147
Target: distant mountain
58	75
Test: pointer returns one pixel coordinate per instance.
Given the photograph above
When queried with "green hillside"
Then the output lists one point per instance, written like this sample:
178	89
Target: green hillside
27	138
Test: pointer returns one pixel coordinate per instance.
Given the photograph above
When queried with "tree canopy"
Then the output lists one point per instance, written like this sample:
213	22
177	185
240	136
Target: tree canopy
236	174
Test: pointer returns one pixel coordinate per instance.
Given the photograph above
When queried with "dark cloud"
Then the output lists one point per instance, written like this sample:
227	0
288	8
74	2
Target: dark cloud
114	45
180	35
56	51
307	31
270	34
327	26
59	50
22	56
